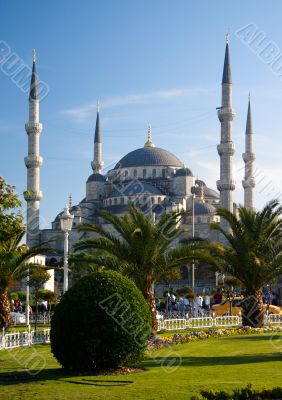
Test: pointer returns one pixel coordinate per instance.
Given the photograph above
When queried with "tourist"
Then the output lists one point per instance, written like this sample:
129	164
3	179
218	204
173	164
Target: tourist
198	304
217	298
186	306
207	303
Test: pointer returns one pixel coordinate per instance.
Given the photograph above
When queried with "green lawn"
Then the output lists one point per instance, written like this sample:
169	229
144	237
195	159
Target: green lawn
218	363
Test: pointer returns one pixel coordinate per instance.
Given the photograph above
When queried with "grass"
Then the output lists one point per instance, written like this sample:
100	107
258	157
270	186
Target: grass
178	372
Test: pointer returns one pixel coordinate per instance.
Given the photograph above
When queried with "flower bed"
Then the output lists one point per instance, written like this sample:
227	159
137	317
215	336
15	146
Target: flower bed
181	338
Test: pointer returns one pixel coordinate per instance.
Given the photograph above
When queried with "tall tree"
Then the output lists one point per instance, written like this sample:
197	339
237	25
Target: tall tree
252	253
14	257
11	220
139	248
14	264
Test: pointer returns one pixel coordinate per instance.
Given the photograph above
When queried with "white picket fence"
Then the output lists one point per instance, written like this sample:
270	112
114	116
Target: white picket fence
21	339
211	322
28	338
20	319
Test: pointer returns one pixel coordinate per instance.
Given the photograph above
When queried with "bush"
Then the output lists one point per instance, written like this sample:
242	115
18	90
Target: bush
102	322
247	393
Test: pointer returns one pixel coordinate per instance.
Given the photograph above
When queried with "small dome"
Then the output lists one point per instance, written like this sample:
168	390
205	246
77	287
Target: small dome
75	208
96	178
149	156
204	208
199	182
184	172
137	187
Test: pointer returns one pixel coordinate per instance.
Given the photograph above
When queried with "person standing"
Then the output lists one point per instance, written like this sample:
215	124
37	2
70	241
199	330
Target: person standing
207	304
198	304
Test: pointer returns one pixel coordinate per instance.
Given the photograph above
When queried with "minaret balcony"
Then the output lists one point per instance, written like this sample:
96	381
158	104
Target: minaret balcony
226	114
226	148
30	195
249	183
249	157
33	129
226	185
33	161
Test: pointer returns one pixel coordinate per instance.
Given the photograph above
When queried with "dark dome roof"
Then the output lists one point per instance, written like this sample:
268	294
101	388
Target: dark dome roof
207	192
96	178
149	156
136	187
184	172
204	208
75	208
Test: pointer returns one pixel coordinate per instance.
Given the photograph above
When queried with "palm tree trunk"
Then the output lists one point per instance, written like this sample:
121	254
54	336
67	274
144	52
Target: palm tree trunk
149	296
5	316
252	306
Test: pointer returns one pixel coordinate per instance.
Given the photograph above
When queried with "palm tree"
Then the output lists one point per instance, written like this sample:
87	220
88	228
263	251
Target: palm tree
13	266
252	253
139	248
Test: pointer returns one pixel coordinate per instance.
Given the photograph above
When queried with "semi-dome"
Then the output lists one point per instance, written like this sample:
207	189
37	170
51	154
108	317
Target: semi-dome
204	208
96	177
184	172
146	156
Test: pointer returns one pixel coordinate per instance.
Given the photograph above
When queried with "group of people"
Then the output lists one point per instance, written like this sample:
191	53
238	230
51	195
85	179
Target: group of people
196	306
18	307
185	305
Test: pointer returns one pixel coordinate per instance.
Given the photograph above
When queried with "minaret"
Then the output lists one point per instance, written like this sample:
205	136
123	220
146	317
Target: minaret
97	163
33	162
226	148
249	158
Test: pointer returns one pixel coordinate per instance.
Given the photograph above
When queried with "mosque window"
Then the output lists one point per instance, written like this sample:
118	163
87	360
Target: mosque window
154	174
144	173
135	173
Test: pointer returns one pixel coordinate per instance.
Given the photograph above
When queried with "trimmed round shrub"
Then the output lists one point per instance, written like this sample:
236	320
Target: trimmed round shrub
102	322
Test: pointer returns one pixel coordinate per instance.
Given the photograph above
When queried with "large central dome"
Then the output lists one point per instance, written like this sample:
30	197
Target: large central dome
149	156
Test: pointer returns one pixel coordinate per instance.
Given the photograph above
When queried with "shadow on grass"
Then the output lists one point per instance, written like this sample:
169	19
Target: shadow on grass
56	374
256	338
211	361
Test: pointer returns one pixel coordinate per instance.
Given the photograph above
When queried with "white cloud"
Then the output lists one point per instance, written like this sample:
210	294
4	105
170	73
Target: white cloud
81	113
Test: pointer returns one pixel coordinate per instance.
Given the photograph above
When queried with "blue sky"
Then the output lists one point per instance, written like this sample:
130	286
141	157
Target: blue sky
157	62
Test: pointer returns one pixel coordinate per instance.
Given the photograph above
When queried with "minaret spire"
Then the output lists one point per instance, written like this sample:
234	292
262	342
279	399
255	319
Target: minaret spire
226	148
33	162
97	163
249	158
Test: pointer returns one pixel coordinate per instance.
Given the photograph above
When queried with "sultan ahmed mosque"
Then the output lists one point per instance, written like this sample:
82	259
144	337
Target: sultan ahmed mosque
150	176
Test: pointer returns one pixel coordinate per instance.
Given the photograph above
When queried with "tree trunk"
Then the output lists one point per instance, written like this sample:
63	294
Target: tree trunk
252	309
5	316
149	295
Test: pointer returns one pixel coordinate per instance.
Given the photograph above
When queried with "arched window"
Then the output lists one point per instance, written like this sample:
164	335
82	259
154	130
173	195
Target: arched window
153	200
122	200
110	202
115	201
144	173
163	173
125	173
154	174
159	200
135	173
